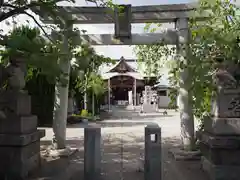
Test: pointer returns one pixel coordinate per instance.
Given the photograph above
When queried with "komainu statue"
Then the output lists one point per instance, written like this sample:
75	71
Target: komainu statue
13	74
227	76
16	73
12	78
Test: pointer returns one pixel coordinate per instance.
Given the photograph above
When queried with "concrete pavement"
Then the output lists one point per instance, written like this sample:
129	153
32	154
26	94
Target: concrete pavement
123	145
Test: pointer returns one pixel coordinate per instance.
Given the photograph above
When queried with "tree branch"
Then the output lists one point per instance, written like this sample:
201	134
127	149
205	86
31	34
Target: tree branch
20	10
15	10
39	25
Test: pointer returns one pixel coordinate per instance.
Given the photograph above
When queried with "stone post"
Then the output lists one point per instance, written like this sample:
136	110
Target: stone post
185	105
153	153
92	153
220	140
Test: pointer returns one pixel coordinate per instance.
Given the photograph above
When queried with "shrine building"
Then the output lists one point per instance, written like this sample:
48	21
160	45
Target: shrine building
126	81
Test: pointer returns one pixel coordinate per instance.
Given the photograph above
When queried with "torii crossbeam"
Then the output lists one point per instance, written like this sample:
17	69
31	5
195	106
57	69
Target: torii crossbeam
140	14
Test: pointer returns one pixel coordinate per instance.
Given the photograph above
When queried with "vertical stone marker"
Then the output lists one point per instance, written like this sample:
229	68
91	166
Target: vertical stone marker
92	153
153	153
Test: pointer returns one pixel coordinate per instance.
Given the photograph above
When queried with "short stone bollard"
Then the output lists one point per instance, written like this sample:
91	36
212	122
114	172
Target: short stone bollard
92	153
153	153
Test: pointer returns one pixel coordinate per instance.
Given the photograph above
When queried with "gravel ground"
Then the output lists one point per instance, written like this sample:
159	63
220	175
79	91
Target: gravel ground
123	140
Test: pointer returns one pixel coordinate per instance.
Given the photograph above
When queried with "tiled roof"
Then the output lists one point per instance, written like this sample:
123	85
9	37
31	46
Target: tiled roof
140	74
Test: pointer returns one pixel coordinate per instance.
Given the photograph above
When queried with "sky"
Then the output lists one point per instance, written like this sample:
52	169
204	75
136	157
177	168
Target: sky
115	51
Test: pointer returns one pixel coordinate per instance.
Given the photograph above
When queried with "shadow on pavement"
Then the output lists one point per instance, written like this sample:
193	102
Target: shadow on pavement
122	121
120	159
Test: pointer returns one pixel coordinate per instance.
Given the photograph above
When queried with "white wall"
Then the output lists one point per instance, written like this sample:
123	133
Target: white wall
163	101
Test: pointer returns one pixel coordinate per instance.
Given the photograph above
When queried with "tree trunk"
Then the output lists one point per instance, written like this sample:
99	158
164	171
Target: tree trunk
61	99
185	96
93	104
85	100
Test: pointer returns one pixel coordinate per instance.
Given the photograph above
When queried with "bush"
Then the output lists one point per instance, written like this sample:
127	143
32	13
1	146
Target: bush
84	113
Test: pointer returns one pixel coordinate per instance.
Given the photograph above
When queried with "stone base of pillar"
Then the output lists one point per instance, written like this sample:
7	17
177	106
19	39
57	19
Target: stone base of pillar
62	152
222	126
19	137
221	156
20	155
182	155
220	172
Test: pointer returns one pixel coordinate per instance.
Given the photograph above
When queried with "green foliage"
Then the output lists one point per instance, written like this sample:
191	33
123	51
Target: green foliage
214	38
86	67
84	113
97	84
38	53
42	97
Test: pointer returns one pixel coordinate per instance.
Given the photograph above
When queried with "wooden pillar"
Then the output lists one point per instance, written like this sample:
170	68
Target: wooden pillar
135	92
109	94
185	97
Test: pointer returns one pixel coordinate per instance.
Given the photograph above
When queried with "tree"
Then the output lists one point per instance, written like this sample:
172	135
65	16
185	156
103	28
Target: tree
87	64
39	53
13	8
211	41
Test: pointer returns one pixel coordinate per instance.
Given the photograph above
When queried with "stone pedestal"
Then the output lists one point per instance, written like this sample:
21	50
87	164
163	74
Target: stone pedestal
220	141
19	137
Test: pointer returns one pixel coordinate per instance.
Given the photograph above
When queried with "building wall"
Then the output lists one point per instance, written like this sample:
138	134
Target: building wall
164	100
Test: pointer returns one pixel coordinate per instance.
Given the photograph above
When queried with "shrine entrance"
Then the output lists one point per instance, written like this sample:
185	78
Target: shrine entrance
120	86
124	82
120	94
122	89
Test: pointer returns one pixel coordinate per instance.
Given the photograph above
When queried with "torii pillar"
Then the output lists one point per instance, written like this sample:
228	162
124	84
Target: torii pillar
185	98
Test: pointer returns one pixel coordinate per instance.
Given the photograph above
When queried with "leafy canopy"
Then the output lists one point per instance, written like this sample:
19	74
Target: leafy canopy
215	38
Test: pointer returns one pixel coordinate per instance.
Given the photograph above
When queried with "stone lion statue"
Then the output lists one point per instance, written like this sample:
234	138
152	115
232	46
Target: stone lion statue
13	75
227	76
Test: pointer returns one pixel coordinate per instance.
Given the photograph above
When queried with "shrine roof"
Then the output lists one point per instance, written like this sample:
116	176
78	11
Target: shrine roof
122	67
140	72
135	75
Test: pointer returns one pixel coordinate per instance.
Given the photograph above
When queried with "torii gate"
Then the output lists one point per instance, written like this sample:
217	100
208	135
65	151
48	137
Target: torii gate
174	13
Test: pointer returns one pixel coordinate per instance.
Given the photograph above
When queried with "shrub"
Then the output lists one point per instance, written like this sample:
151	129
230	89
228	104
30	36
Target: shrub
84	113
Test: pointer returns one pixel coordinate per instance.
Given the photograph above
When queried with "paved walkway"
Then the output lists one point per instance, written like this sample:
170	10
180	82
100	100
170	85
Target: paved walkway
124	132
